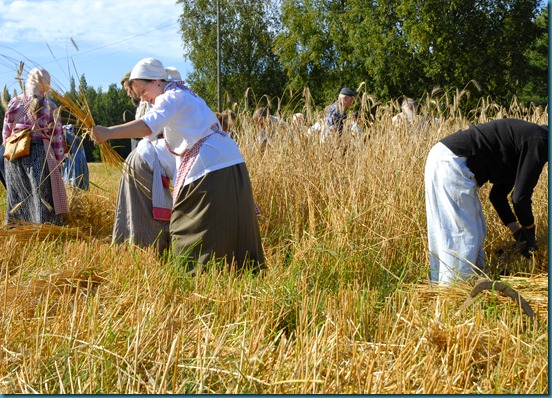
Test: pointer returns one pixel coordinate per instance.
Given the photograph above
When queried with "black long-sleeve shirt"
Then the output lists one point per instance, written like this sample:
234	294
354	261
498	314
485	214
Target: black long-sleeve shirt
510	154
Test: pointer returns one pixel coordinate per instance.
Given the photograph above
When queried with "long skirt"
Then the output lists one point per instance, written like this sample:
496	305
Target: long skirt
214	218
455	223
29	189
134	219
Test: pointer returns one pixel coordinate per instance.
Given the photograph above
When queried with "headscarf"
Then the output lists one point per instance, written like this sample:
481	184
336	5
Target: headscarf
153	69
174	74
38	82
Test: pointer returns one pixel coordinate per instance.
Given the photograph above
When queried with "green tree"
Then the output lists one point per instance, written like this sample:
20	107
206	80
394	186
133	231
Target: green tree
112	108
83	85
536	88
408	47
315	48
457	41
391	65
247	57
73	86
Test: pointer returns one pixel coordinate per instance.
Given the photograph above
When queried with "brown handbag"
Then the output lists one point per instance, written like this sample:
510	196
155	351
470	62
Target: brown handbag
19	144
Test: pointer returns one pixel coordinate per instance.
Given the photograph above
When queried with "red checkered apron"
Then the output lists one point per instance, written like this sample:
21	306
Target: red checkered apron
188	159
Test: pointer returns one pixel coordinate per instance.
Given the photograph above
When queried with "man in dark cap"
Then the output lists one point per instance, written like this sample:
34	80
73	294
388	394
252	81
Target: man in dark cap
337	112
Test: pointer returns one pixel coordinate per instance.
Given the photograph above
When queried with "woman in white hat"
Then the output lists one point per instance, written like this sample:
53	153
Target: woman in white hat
35	188
213	214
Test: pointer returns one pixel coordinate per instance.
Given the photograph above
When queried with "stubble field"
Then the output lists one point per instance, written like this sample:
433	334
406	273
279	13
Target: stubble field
344	306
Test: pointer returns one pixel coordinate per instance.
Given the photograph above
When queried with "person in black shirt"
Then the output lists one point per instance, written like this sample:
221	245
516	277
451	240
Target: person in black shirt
508	153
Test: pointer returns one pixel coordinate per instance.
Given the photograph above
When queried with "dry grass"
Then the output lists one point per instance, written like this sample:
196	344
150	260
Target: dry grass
343	308
78	108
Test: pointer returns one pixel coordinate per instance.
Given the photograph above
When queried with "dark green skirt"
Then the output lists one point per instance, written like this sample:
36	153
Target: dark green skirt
214	218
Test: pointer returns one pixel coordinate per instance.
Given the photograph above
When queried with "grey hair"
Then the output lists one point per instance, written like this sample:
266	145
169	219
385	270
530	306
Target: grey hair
409	102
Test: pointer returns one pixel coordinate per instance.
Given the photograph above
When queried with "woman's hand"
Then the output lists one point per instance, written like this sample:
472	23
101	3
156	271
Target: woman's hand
100	134
134	129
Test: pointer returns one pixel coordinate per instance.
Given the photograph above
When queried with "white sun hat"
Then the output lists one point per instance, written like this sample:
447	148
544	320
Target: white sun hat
149	69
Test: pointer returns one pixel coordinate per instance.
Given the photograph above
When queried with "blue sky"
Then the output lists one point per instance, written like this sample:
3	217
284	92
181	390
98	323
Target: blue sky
110	37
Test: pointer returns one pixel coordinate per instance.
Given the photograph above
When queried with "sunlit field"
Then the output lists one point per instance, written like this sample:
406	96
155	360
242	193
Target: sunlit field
344	306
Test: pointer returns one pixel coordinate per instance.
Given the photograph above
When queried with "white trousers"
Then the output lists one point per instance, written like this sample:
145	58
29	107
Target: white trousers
455	223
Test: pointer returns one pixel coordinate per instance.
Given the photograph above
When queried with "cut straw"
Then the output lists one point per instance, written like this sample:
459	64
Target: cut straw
23	231
81	110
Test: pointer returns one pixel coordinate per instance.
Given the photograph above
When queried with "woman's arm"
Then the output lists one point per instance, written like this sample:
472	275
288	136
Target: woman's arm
134	129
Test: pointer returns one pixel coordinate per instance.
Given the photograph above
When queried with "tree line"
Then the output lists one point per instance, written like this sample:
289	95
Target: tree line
388	48
392	48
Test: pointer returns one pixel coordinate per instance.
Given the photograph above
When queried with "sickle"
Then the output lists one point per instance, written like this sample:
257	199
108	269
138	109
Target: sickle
502	289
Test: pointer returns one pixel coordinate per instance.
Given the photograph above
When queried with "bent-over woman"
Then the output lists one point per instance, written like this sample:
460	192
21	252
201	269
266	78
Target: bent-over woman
213	213
510	154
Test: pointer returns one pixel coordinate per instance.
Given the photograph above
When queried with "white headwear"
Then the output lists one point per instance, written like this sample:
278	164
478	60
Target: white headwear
38	82
174	74
149	69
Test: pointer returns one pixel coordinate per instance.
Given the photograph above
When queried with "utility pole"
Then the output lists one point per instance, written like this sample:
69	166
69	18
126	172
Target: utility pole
218	58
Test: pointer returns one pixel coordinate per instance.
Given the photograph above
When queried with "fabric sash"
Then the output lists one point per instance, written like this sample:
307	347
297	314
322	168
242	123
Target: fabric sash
59	194
188	158
162	205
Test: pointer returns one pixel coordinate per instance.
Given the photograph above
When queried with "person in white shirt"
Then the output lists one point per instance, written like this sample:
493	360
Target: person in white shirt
408	114
214	214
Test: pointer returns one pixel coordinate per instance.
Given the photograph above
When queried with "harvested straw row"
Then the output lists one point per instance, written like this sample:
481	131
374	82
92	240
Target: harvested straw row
25	298
534	289
24	231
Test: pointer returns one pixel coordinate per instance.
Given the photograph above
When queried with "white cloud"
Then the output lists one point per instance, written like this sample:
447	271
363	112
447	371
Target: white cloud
110	37
128	24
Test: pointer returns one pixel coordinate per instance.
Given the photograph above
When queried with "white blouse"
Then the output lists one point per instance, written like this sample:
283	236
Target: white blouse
186	119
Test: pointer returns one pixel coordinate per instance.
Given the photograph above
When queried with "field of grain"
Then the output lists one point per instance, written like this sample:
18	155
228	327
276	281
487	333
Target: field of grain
344	306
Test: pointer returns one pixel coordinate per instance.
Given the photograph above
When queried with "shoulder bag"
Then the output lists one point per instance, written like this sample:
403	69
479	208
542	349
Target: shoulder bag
19	144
